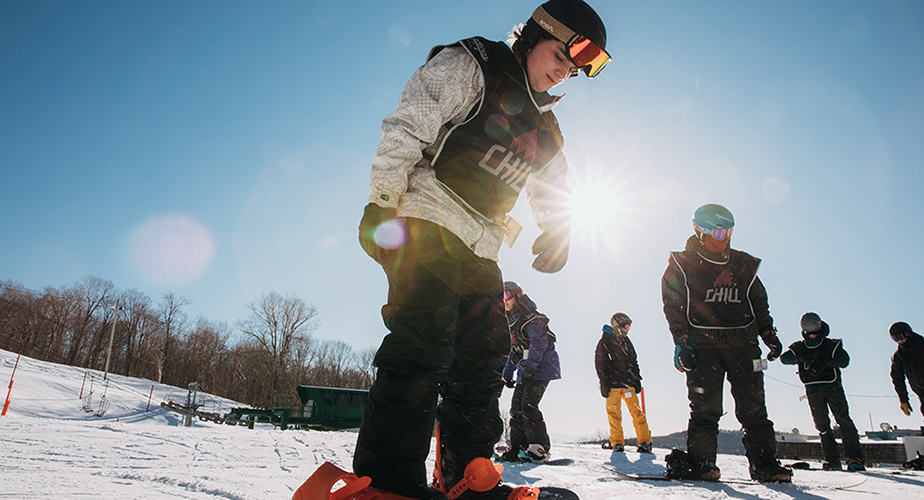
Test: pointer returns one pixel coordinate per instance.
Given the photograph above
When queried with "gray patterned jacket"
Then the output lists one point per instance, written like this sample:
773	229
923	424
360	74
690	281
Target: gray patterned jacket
438	96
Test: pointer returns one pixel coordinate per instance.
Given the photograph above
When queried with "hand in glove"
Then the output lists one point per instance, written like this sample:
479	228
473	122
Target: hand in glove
638	389
604	391
906	409
510	383
773	343
528	373
684	354
373	217
551	249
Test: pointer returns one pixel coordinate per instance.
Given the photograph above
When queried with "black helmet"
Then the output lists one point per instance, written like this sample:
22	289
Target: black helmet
900	331
512	289
814	330
575	24
811	322
620	320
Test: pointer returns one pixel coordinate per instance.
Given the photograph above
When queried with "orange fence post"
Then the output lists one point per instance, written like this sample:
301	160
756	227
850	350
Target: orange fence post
6	405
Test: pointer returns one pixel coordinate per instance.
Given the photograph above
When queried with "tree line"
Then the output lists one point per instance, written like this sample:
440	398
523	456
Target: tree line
260	358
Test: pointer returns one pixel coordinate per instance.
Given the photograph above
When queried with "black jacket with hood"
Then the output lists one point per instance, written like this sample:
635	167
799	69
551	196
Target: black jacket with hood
616	362
908	363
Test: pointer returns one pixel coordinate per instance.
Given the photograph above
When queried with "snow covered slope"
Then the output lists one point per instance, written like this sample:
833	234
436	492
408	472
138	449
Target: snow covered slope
51	448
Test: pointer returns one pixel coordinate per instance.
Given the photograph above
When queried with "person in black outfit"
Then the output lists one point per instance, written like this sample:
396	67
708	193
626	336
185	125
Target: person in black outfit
617	370
907	363
535	361
473	128
716	307
820	361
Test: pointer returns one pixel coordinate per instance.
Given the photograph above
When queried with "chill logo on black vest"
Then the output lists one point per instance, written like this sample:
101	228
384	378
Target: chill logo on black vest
723	289
512	164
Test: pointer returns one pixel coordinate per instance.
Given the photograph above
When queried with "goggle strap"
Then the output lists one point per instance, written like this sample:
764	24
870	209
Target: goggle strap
550	24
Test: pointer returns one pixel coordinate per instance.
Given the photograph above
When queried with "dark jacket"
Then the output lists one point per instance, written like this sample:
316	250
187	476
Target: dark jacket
532	344
908	362
715	298
819	366
616	362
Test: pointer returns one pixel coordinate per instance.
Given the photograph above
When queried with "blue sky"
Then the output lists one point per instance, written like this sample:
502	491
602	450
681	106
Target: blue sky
235	139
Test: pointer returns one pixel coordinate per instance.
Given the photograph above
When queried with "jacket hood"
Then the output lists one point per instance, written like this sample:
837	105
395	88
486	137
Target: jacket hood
527	302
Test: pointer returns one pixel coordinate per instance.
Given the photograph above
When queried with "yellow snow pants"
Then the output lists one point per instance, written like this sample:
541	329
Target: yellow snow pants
614	412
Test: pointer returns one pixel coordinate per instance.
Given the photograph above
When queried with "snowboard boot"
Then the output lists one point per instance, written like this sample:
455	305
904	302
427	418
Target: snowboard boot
606	445
619	448
855	465
831	466
916	464
537	453
769	470
678	465
510	456
708	472
644	448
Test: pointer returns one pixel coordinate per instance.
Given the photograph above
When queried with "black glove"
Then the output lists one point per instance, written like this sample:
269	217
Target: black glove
528	373
373	217
509	383
638	389
684	354
604	391
773	343
551	249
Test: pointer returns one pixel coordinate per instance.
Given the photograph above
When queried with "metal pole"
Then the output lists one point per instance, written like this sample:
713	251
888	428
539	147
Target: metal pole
6	405
149	398
83	384
111	335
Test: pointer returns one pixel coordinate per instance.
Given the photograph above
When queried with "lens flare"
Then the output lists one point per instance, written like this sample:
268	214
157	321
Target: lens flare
390	234
172	249
496	126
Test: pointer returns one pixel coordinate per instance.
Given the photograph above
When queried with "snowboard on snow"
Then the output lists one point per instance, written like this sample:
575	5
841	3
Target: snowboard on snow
318	485
653	477
548	461
643	477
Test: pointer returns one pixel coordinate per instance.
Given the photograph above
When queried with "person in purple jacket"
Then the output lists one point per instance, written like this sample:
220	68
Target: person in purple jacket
535	361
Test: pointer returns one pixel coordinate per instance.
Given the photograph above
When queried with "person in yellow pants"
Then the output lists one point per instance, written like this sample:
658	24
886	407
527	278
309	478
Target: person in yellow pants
620	380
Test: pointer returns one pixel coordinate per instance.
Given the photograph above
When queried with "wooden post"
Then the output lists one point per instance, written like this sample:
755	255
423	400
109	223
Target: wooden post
149	399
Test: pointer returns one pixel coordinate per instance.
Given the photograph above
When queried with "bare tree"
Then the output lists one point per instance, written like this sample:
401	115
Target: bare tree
137	310
277	323
93	293
365	367
173	320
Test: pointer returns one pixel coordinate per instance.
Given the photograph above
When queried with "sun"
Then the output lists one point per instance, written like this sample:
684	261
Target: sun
594	205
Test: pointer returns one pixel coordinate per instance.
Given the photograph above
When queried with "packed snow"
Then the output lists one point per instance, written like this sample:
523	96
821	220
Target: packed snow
52	447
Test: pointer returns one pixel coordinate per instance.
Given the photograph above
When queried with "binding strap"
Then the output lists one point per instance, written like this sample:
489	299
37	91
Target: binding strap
317	487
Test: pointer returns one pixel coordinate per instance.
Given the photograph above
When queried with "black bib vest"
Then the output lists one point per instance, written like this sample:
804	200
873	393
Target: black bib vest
823	352
486	159
717	293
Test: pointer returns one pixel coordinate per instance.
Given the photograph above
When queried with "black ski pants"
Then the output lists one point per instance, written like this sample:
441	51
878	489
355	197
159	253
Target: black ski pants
705	386
448	338
819	403
527	425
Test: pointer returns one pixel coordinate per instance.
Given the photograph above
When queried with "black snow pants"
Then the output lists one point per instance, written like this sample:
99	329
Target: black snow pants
705	386
527	426
819	402
448	337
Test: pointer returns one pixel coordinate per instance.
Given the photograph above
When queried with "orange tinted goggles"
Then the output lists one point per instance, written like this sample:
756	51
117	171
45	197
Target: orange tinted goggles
587	56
